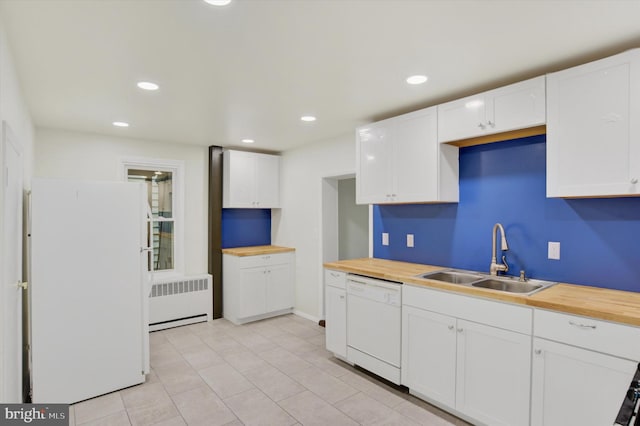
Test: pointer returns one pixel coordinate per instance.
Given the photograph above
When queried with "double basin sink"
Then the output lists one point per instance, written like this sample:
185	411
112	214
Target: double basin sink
478	280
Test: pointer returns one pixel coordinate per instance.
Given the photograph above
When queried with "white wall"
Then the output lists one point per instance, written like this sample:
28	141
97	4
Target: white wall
65	154
353	222
299	223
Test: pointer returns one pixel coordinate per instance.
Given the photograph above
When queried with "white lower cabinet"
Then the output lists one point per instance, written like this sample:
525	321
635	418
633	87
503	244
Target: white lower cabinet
257	287
573	384
336	312
479	371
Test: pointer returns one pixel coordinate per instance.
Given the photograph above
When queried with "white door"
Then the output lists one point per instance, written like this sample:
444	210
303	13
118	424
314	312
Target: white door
373	154
493	379
11	339
462	118
429	354
516	106
253	292
267	181
336	320
279	287
573	386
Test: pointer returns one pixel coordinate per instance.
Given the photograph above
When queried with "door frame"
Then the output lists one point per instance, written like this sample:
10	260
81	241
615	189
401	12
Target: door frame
329	238
9	138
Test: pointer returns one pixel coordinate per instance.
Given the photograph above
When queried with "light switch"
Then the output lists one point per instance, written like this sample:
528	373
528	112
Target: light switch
554	250
409	240
385	238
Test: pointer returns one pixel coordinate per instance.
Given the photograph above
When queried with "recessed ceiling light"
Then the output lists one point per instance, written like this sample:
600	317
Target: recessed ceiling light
417	79
120	124
147	85
308	118
218	2
248	140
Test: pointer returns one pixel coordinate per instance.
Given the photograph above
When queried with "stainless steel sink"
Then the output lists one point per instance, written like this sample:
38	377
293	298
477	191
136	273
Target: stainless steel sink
506	284
453	277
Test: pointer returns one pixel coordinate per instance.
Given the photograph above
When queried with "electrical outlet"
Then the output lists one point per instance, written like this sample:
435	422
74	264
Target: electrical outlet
554	250
385	238
409	240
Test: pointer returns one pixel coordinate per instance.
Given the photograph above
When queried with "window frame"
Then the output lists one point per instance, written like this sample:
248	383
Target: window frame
176	167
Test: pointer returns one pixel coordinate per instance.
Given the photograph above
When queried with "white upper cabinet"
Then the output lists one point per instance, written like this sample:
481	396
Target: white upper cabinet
250	180
517	106
399	160
593	129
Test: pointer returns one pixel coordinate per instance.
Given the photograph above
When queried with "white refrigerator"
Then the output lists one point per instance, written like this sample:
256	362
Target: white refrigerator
88	290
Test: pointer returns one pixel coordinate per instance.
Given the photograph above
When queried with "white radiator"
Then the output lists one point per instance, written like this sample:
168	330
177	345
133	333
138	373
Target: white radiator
181	301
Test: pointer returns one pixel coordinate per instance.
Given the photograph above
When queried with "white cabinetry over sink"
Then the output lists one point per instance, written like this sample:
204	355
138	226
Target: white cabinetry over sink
250	180
593	129
469	355
516	106
399	160
257	287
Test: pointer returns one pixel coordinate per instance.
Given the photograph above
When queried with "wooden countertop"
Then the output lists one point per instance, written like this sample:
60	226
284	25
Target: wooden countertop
256	250
600	303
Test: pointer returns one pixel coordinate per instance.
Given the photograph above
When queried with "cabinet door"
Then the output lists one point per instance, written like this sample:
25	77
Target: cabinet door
429	354
493	378
336	320
416	157
593	131
279	287
573	386
516	106
461	119
252	295
239	180
373	155
267	181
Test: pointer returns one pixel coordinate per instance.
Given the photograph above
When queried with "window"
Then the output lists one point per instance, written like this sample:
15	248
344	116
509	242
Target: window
164	225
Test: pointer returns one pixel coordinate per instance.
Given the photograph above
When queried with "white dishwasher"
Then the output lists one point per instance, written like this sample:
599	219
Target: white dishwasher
374	325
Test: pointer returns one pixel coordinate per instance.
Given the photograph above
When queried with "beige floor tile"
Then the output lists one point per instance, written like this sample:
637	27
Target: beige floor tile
223	344
203	406
201	356
366	410
72	415
174	421
374	388
267	330
301	330
274	383
244	360
318	340
165	355
255	408
96	408
324	385
256	342
311	410
424	413
148	404
179	377
184	340
116	419
294	344
225	380
156	338
285	361
327	363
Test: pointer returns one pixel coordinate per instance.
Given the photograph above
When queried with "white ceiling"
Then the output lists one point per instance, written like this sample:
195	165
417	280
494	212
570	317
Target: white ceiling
251	69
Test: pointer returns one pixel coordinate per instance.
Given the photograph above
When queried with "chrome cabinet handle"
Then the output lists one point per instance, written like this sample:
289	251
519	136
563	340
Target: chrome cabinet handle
538	351
634	181
491	123
451	327
460	330
482	126
575	324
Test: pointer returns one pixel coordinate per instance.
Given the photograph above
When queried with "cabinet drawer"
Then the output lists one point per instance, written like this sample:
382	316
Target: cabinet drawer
335	278
264	260
497	314
602	336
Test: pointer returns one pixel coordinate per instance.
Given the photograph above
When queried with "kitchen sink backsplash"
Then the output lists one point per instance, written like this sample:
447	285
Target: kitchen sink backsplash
505	182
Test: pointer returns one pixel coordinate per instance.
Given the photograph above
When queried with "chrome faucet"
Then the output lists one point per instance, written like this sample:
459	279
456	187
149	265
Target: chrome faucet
495	266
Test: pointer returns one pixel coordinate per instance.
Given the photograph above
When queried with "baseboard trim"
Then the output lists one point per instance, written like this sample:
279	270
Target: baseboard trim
306	316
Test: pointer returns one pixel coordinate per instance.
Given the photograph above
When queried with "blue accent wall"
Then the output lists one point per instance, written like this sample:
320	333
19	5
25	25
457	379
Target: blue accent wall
246	227
505	182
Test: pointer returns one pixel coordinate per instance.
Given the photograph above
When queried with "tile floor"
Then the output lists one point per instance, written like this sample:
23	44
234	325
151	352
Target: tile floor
271	372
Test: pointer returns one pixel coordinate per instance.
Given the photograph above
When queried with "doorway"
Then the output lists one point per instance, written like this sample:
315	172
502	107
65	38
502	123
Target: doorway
346	226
